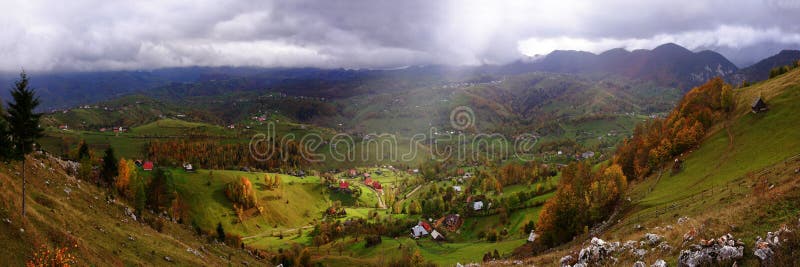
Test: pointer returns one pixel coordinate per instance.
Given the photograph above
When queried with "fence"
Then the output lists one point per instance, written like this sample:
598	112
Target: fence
729	189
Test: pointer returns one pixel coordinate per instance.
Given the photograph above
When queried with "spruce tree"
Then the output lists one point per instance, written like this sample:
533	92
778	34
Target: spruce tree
83	151
110	167
220	233
23	123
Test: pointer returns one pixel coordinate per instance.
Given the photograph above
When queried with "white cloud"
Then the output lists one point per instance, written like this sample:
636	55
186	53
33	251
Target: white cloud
722	36
95	34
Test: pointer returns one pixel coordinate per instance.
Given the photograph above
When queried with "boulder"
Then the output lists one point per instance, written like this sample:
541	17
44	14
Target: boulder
659	263
652	239
727	253
639	264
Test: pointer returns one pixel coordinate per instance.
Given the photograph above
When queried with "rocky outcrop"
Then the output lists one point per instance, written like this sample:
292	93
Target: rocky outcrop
724	249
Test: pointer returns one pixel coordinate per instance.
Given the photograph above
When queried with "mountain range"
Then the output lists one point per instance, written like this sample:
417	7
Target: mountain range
667	65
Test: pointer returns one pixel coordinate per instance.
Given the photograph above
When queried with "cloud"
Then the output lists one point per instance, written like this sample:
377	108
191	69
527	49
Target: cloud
98	35
733	37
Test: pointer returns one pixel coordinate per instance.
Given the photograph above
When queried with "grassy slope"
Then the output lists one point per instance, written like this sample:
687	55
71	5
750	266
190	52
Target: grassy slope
759	140
101	229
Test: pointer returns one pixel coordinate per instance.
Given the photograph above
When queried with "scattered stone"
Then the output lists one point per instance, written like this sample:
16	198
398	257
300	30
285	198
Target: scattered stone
683	220
689	236
22	230
7	220
639	264
638	227
639	253
659	263
67	190
168	258
664	246
195	252
131	238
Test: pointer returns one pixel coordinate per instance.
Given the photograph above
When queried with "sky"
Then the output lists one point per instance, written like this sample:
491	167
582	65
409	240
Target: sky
86	35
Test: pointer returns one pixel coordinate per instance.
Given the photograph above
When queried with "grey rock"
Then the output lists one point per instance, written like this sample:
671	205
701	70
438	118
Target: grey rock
659	263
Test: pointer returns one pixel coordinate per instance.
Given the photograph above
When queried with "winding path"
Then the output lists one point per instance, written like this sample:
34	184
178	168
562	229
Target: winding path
381	204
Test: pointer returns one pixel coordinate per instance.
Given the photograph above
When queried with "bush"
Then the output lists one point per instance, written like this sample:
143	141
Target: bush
373	241
155	222
491	236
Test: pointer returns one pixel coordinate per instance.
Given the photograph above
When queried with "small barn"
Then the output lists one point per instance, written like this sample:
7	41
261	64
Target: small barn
759	105
437	236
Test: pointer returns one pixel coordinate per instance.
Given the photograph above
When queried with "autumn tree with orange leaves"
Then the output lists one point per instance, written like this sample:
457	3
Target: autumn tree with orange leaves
661	140
583	198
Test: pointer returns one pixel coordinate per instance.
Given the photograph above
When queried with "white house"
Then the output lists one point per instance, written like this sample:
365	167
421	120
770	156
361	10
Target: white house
532	237
417	231
477	205
457	188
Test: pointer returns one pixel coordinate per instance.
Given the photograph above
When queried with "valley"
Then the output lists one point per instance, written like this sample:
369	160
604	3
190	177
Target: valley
378	169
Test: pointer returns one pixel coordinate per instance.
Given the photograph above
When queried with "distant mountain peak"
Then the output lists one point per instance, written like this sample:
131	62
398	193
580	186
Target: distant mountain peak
671	48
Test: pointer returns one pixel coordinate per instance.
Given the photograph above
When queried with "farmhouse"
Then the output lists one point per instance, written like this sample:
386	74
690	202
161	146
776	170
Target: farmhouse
147	166
477	205
188	167
759	105
418	231
587	154
449	222
377	185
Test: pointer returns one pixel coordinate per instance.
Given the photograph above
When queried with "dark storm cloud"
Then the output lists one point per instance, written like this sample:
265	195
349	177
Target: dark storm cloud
94	34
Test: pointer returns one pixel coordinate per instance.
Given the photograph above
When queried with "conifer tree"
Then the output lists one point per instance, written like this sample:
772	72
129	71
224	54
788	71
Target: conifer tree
23	123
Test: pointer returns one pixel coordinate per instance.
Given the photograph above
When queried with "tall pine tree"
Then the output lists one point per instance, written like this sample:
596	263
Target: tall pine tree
23	123
110	167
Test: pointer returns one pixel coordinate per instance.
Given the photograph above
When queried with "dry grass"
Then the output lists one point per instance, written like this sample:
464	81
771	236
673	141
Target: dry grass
83	217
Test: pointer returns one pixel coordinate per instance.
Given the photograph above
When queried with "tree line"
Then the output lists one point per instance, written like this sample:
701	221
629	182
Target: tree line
213	154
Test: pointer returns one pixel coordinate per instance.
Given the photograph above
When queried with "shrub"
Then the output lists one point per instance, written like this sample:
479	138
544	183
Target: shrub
373	241
57	257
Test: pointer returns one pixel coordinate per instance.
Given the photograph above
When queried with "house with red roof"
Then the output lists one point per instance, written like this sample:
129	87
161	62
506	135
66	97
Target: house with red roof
147	166
343	185
377	185
425	225
368	181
